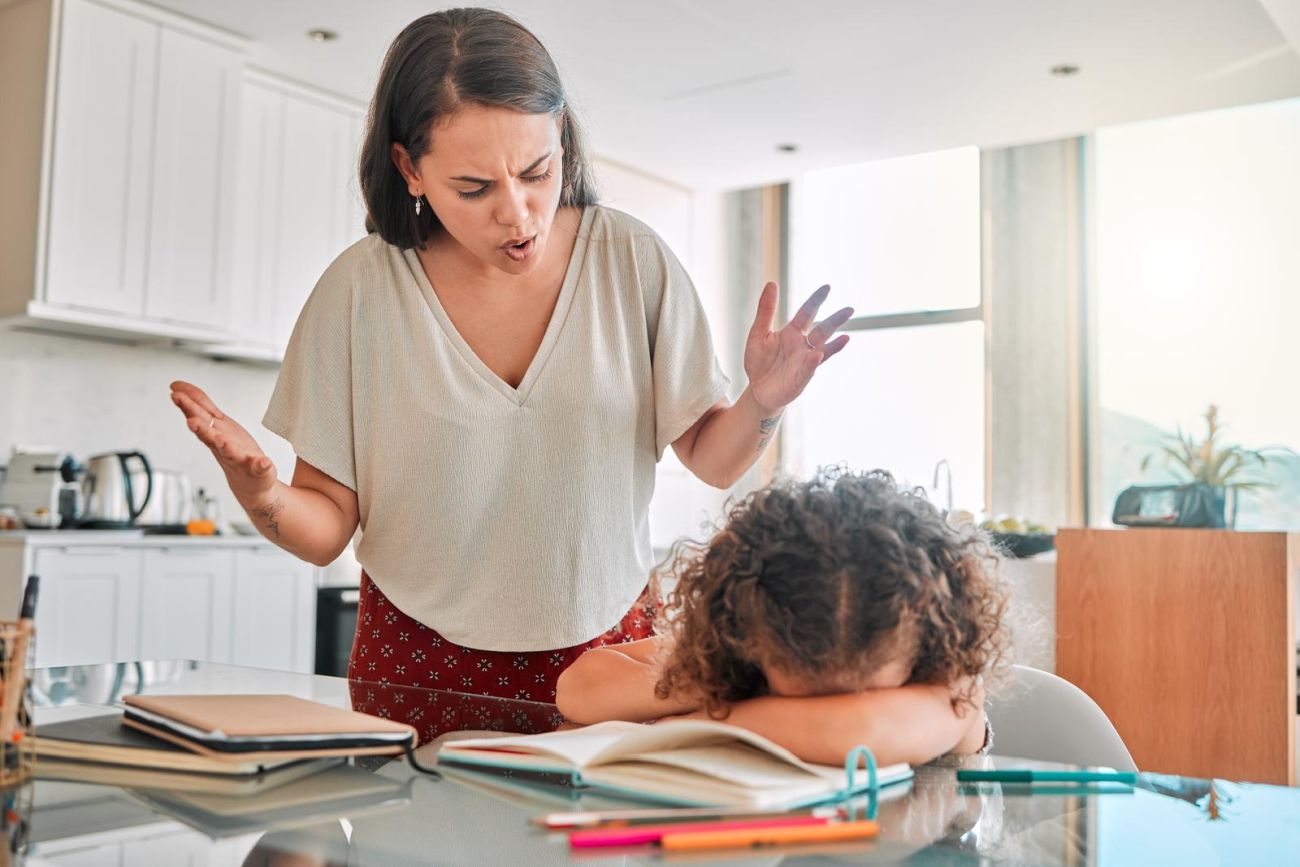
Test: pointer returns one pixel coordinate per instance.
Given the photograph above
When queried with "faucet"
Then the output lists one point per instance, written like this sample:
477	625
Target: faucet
947	468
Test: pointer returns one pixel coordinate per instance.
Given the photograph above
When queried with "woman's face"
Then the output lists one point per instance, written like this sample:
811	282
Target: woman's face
493	178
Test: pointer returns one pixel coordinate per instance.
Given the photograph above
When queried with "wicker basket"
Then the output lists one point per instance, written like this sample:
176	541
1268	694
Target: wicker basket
19	743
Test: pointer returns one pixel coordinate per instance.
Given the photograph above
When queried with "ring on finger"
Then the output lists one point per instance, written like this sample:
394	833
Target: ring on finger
211	422
808	343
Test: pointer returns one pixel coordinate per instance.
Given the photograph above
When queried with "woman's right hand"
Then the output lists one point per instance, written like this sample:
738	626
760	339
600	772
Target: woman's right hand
250	473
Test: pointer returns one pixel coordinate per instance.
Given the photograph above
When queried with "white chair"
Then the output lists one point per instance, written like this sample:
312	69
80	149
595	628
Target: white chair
1044	717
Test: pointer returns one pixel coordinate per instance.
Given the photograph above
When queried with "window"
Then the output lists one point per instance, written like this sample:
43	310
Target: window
1197	271
899	240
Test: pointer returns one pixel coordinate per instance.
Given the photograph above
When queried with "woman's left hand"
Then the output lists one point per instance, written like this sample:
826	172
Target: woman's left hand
781	363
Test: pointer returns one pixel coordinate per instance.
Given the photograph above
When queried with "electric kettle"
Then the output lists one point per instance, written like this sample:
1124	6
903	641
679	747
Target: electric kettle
110	497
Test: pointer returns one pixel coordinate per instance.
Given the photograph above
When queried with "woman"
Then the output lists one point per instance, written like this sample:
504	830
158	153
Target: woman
485	383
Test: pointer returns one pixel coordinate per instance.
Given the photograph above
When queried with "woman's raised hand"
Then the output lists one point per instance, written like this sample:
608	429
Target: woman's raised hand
781	363
250	473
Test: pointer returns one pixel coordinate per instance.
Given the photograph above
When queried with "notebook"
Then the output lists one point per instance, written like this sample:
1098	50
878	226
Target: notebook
234	728
686	762
124	776
103	738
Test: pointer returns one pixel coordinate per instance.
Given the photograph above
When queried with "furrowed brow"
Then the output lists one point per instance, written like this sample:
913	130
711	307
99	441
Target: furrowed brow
537	162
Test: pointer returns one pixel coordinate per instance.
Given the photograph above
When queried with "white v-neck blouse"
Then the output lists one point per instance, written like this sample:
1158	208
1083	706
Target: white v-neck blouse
509	519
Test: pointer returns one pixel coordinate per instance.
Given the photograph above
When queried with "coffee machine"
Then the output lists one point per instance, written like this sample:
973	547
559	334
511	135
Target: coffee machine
42	484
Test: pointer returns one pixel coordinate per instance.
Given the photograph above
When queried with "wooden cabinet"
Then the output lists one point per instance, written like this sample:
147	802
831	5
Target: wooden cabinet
298	205
1187	640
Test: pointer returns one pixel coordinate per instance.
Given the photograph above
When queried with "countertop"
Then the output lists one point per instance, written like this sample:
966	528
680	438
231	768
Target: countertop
132	538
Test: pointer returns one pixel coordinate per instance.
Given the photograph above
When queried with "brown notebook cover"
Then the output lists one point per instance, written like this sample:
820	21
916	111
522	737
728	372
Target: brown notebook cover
226	727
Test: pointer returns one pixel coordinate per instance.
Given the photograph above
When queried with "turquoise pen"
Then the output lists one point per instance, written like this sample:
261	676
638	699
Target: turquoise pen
1030	776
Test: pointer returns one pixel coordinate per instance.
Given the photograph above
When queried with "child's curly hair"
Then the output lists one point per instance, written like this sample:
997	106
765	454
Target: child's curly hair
815	578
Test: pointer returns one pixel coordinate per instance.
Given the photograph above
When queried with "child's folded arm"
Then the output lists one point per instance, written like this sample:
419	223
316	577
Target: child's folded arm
615	683
913	724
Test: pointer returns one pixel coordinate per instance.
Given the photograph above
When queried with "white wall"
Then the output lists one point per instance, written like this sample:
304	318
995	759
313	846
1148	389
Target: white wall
87	396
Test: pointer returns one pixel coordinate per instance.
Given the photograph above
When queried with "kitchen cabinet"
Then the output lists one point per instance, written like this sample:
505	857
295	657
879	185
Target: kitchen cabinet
238	601
120	130
266	584
89	604
298	205
185	603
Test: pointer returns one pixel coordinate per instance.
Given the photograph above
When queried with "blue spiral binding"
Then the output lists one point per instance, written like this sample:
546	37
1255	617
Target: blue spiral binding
851	774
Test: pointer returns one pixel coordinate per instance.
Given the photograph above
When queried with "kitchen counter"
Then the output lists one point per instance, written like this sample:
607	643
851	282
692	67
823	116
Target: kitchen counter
127	538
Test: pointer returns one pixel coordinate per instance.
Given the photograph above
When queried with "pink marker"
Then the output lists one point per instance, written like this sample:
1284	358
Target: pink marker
651	834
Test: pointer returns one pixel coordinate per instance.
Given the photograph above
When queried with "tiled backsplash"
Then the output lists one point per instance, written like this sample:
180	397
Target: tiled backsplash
87	396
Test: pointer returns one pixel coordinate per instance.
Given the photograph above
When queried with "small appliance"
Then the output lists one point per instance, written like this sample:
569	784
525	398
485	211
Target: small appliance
111	500
40	483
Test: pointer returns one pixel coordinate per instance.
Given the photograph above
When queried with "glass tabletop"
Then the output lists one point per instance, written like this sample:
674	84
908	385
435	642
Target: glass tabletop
383	812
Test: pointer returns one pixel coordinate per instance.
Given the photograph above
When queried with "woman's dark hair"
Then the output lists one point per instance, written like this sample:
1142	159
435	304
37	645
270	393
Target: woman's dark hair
438	63
833	577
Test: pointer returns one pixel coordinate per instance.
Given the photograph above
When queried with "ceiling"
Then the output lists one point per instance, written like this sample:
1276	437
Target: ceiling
702	91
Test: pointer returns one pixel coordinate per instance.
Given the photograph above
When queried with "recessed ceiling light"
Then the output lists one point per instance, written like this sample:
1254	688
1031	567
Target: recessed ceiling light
787	148
1065	69
322	35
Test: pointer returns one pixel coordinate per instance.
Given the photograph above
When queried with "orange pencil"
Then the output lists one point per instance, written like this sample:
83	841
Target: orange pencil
752	838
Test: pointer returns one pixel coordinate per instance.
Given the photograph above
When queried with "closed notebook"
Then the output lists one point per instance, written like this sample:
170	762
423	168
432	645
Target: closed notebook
235	727
125	776
688	762
103	738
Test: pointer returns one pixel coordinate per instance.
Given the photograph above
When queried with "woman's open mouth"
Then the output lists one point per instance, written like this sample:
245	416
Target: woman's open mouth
520	250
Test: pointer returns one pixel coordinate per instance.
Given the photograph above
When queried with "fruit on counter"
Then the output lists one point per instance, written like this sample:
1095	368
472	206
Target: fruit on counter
1015	524
201	527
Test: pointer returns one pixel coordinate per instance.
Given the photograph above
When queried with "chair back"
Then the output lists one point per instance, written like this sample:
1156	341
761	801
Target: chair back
1044	717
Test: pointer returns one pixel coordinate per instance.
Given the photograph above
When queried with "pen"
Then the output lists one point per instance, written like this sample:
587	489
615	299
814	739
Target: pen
759	837
1101	775
642	835
622	818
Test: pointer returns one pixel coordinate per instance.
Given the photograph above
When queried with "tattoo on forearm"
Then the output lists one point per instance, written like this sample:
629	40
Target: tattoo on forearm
269	512
766	428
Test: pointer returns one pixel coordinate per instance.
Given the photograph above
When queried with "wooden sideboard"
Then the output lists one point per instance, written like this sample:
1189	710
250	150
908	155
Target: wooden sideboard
1187	640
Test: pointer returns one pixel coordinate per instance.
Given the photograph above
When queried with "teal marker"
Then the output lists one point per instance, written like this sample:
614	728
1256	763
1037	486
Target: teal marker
1029	776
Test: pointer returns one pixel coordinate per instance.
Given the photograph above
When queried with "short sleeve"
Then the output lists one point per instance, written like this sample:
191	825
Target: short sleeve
687	377
311	406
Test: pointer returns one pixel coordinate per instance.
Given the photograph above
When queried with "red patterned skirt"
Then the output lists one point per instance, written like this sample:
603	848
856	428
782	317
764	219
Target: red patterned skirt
493	690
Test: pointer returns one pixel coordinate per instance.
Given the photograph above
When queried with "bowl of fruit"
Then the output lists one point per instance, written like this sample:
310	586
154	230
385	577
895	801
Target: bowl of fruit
1020	537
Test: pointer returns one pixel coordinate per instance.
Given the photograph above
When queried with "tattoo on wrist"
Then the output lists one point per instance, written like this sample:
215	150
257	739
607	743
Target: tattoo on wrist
269	512
767	427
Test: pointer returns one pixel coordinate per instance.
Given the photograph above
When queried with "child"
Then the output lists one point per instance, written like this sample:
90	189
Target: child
823	615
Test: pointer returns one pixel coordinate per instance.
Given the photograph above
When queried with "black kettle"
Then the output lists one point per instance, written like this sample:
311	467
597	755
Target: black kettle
108	495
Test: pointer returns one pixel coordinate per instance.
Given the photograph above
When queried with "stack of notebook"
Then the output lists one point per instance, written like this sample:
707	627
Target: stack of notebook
219	744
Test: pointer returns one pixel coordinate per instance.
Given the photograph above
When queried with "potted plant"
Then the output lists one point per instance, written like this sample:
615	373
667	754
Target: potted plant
1213	472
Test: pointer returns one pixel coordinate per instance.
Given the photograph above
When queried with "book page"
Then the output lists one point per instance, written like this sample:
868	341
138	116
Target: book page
575	747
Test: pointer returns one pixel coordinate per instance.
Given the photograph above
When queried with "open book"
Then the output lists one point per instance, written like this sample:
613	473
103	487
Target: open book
686	762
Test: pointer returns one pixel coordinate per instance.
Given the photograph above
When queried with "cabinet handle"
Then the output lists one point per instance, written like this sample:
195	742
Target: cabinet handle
187	551
87	551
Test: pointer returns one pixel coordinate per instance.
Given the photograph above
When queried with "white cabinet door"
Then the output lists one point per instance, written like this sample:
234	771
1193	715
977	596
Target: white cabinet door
89	609
256	259
315	210
274	611
101	160
185	603
195	157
